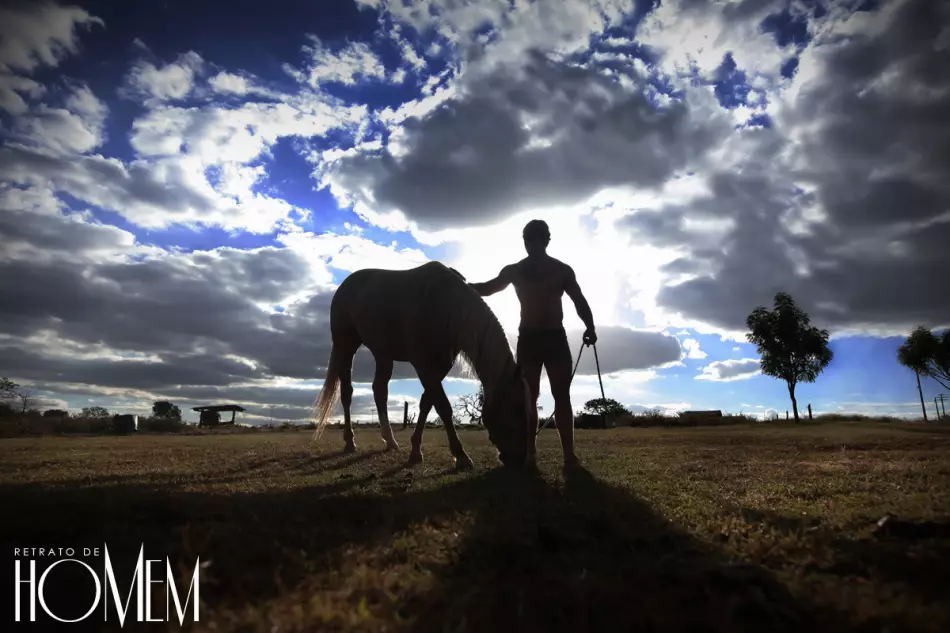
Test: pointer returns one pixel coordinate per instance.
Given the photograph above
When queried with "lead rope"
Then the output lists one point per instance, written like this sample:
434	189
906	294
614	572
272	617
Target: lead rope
576	365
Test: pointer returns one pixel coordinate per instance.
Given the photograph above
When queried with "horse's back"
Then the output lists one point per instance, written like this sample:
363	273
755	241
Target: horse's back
390	308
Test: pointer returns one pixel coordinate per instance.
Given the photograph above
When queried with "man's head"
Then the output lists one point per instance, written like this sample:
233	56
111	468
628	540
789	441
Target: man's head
536	237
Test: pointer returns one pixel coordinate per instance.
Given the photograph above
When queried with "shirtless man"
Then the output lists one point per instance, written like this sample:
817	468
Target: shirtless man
540	281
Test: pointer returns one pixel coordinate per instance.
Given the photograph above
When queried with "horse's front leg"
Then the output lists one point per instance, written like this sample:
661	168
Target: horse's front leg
425	405
444	408
384	371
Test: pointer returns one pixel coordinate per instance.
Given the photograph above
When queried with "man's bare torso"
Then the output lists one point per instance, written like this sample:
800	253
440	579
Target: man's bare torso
540	284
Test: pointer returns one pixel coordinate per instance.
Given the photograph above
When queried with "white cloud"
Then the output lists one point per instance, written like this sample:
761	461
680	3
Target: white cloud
78	127
39	34
239	85
354	61
691	34
727	370
178	148
692	349
12	90
229	82
172	81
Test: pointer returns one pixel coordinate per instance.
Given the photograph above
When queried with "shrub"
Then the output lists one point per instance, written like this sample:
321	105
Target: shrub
161	425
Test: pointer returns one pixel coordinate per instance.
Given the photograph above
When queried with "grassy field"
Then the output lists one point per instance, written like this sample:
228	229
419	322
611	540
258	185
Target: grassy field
748	528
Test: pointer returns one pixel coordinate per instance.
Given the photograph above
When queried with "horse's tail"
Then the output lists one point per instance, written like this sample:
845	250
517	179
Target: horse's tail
328	394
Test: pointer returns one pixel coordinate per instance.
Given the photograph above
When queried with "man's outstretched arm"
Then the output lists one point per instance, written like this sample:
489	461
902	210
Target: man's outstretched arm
573	291
497	284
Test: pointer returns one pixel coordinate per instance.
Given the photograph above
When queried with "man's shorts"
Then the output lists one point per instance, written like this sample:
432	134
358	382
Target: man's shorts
547	347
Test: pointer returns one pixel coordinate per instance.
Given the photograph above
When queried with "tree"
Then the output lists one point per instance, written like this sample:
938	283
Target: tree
928	354
95	412
789	347
166	410
913	354
8	389
56	413
27	398
472	406
605	407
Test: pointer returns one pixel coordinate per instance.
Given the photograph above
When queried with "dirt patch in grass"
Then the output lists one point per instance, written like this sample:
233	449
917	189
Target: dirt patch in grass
765	528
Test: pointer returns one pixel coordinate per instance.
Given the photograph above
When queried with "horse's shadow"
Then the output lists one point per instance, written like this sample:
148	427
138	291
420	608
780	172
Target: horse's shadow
576	554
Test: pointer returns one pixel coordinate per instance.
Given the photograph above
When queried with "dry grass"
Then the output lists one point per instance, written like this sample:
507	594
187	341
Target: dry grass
757	528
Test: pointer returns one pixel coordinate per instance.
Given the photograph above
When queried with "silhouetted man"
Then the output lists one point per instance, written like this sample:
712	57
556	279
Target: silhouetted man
540	281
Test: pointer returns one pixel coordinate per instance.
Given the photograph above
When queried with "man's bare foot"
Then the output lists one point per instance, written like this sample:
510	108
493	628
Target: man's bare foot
571	461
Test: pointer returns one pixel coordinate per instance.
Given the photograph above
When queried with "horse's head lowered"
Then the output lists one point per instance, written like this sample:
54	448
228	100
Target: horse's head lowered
511	418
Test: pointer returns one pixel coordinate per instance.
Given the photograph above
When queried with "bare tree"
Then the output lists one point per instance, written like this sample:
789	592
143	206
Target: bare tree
27	398
471	406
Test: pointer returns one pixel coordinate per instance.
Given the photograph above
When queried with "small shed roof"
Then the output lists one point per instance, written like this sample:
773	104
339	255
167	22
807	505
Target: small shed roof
219	407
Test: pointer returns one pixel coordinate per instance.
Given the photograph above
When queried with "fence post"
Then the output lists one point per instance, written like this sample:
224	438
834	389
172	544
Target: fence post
405	414
809	411
786	414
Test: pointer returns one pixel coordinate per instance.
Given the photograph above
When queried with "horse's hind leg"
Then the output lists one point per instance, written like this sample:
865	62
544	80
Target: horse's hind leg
347	352
425	405
384	371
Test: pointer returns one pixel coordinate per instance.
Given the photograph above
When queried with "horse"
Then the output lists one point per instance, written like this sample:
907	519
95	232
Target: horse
429	317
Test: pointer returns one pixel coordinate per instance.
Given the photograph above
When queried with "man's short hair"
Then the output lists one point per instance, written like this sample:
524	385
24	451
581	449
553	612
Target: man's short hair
536	229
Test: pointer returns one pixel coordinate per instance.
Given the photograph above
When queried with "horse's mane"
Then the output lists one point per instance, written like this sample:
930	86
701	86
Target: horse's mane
481	345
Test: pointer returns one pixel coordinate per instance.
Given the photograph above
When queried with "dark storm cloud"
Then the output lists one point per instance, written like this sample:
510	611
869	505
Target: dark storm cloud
871	134
49	234
619	349
188	309
472	161
172	369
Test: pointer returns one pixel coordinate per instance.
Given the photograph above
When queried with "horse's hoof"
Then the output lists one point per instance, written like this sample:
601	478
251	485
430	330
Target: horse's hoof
415	458
392	446
464	463
349	448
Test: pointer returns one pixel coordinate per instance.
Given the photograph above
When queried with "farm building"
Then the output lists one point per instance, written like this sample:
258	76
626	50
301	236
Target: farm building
211	415
125	423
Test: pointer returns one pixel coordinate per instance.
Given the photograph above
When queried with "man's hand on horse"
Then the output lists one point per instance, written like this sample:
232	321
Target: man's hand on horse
590	337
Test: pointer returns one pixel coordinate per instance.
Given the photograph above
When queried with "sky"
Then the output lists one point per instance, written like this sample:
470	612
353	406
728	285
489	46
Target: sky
184	184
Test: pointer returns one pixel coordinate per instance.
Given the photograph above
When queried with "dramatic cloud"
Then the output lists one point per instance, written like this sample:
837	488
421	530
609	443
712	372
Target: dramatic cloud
726	370
175	214
843	204
179	145
202	318
548	132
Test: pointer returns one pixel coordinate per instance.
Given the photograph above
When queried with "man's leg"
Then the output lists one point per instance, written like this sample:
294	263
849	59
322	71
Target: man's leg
559	375
530	362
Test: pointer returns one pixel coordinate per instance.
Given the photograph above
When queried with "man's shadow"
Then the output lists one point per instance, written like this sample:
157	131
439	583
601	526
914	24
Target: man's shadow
574	555
589	556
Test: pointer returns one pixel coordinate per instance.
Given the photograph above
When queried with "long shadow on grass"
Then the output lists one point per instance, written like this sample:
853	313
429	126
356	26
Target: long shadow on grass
580	555
589	556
